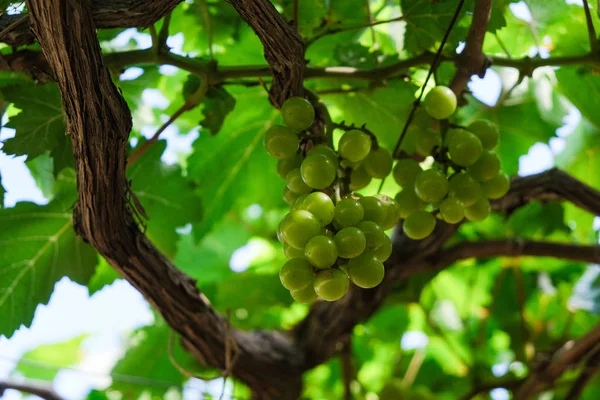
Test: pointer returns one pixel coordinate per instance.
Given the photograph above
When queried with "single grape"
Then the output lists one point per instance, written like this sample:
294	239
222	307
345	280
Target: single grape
419	225
452	210
319	205
350	242
348	212
465	188
366	271
331	284
431	186
486	131
291	252
298	227
280	234
392	211
281	142
374	234
478	211
427	141
379	163
321	252
374	210
496	187
324	151
295	183
359	178
289	196
486	167
305	296
440	102
296	274
464	147
286	165
409	202
297	113
406	171
297	204
384	251
354	145
318	171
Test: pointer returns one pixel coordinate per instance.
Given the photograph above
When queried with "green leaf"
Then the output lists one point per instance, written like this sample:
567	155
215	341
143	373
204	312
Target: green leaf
2	193
217	104
537	219
582	87
45	361
103	276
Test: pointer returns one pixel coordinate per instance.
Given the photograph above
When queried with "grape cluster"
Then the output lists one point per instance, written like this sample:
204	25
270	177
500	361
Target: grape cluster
330	237
464	177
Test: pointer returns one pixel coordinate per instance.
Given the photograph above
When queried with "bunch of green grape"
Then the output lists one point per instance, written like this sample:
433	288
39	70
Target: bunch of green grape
330	238
465	174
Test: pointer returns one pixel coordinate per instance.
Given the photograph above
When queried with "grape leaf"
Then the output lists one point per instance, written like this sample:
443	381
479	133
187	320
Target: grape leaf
216	105
582	87
103	276
2	193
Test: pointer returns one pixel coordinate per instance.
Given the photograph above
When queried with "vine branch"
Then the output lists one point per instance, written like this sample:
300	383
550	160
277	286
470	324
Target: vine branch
43	392
590	27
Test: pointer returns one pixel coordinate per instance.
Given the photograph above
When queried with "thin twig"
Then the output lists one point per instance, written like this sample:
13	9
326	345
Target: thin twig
590	27
370	22
155	43
347	368
502	45
12	26
163	34
43	392
209	27
332	31
296	13
413	368
589	370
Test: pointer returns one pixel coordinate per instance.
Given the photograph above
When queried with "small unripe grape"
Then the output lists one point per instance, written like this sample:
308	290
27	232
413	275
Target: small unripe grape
427	140
440	102
409	202
295	183
465	188
348	212
318	171
291	252
305	296
496	187
298	227
281	142
319	205
297	204
384	251
296	274
321	252
486	167
478	211
350	242
379	163
464	147
486	131
452	210
354	145
359	178
392	212
374	234
297	113
431	186
331	284
366	271
419	225
286	165
406	171
324	151
373	208
289	196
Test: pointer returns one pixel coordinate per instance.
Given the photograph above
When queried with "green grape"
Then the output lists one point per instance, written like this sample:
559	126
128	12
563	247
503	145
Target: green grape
349	164
440	102
392	212
319	205
465	188
384	251
431	186
478	211
318	171
298	227
324	151
321	252
298	113
452	210
305	296
296	274
297	204
496	187
427	141
354	145
374	234
359	178
366	271
350	242
295	183
331	284
281	142
486	131
464	147
419	225
289	196
409	202
406	171
348	212
379	163
422	120
291	252
374	210
486	167
286	165
280	234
